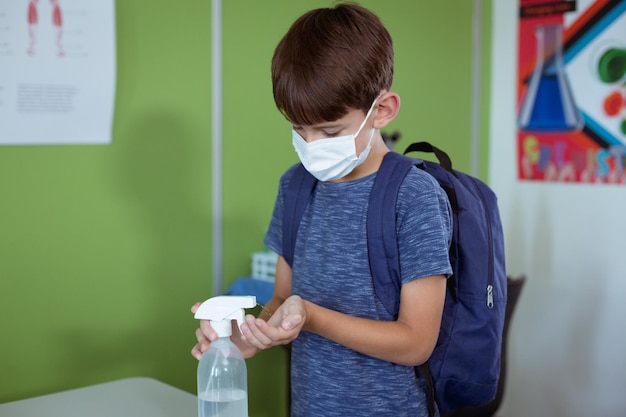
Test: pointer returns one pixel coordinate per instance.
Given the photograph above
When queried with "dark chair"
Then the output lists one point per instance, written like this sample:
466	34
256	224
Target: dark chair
514	288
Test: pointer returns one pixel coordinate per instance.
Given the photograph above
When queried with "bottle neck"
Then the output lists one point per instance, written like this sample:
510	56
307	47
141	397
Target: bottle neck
223	328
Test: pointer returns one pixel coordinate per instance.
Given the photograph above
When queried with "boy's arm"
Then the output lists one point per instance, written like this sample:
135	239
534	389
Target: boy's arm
409	340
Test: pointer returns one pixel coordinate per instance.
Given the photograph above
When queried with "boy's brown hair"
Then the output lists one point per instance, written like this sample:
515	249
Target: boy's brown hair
330	61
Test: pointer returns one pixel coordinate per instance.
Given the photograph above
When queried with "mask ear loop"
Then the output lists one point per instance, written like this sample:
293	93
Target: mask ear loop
367	115
369	143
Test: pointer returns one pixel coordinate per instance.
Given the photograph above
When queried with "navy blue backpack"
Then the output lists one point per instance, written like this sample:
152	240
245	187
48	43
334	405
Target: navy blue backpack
464	368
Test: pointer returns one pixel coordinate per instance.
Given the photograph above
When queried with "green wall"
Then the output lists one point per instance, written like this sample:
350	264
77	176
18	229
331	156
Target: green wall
105	248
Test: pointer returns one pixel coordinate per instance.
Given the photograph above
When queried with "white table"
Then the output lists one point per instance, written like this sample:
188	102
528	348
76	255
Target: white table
131	397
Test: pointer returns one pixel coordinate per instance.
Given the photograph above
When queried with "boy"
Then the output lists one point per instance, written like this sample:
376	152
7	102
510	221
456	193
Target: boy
332	75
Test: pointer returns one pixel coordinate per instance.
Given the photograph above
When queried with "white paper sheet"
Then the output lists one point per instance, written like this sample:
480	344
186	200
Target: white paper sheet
57	71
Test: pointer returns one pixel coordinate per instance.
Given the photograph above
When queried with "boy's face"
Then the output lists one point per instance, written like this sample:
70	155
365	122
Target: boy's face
331	151
346	125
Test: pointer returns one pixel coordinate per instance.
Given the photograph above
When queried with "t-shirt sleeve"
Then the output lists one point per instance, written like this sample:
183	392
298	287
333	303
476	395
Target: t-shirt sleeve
274	235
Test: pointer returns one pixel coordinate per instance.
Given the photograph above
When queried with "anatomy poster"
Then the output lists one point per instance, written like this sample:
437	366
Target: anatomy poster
57	71
571	113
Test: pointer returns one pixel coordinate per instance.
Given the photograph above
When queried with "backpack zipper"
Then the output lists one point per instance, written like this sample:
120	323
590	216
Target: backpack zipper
490	263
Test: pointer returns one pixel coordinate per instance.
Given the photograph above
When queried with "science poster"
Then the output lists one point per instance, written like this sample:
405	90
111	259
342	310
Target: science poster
57	71
571	113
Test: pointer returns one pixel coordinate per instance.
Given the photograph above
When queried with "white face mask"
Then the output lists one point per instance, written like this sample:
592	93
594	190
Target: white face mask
330	159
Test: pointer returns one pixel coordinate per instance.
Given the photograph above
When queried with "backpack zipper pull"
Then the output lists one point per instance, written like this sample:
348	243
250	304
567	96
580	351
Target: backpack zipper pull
490	296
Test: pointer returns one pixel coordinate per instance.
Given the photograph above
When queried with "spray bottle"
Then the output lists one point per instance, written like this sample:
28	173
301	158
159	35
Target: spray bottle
222	375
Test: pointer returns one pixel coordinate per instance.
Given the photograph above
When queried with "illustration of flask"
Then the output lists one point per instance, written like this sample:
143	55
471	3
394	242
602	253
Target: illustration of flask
222	374
549	105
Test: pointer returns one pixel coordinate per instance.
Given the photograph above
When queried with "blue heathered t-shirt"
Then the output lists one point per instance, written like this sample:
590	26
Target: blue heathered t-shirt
331	269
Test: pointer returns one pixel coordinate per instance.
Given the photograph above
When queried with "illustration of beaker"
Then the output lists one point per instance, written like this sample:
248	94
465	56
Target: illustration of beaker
548	105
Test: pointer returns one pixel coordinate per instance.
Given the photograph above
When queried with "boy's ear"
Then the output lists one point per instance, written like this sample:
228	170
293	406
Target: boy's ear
387	109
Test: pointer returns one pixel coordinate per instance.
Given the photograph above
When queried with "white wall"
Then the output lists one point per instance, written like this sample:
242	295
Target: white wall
568	338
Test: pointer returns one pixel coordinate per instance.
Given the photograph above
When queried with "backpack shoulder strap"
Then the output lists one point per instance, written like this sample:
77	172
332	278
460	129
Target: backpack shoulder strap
382	240
299	192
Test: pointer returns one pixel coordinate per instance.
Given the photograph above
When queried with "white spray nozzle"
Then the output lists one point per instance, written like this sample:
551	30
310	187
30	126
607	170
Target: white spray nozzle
222	309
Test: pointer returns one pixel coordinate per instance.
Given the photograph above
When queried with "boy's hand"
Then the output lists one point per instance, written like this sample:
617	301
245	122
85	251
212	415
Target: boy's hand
282	327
